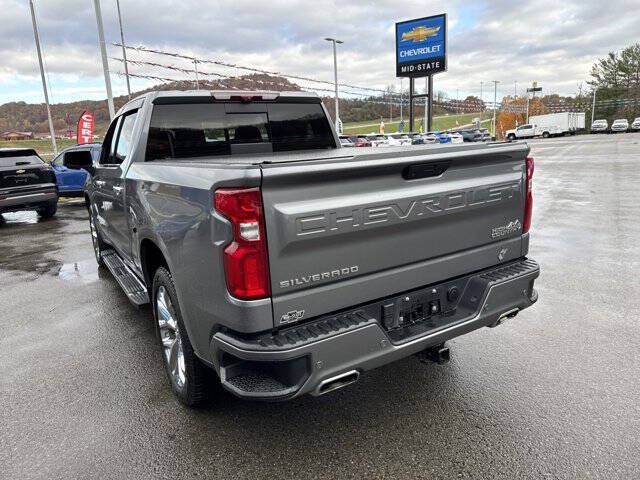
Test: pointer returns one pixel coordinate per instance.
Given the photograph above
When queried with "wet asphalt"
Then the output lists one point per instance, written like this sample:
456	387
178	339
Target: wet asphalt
553	393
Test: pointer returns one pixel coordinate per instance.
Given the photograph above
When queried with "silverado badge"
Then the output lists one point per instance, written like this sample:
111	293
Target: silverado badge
511	227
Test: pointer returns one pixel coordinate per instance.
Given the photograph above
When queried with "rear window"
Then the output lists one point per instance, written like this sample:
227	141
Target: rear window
16	158
206	129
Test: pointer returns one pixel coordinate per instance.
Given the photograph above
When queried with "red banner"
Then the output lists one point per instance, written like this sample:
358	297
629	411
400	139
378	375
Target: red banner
85	127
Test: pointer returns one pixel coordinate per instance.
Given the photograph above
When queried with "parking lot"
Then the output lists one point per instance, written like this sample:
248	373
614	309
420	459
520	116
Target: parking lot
552	393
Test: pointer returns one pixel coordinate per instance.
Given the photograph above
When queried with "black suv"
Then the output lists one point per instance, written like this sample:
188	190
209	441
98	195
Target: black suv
26	182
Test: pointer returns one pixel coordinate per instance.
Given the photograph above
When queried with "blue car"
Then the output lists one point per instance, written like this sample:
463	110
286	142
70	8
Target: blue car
71	181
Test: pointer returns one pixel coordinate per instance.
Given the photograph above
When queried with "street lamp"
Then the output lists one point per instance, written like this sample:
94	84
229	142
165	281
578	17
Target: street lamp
335	78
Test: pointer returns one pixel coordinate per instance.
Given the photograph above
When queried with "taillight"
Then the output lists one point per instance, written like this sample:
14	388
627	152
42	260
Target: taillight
528	199
246	264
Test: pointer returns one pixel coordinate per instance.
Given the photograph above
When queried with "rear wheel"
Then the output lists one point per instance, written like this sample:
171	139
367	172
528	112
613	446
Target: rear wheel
190	378
49	210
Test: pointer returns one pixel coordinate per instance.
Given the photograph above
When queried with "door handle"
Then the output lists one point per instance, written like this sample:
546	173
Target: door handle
117	189
99	183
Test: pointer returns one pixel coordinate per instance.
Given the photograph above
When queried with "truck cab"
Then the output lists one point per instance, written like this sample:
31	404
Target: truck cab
523	131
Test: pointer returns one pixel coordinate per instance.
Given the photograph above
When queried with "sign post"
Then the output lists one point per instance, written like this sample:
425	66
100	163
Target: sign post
534	88
421	51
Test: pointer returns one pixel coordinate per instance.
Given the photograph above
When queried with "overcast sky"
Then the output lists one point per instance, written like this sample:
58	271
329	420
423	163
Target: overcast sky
553	42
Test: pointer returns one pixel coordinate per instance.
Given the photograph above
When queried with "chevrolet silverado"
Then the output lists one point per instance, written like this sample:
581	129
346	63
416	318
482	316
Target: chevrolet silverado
26	182
278	264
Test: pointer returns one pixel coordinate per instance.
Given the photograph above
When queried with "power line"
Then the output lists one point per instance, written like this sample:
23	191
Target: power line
369	100
201	72
242	67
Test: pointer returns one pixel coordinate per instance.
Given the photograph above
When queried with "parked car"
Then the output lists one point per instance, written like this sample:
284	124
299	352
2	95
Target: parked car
486	135
378	140
440	137
600	126
432	137
345	142
26	183
636	124
294	274
359	141
471	135
70	178
455	137
416	138
620	125
399	139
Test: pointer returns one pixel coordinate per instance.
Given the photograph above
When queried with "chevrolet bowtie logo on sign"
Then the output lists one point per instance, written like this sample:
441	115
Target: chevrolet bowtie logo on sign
421	46
420	34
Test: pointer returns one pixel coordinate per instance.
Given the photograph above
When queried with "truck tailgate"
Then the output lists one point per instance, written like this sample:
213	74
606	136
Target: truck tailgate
346	230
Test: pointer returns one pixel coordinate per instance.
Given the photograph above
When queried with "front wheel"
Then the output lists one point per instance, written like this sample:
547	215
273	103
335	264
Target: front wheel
190	378
49	210
545	135
96	240
511	136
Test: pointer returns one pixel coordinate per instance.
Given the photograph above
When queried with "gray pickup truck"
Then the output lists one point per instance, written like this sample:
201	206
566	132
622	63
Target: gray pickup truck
288	265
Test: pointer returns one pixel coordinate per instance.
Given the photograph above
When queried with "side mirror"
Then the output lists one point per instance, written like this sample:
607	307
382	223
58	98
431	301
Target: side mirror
78	159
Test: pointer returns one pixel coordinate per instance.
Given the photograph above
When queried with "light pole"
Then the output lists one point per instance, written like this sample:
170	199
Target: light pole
495	104
481	102
105	62
593	106
124	51
401	118
335	79
44	83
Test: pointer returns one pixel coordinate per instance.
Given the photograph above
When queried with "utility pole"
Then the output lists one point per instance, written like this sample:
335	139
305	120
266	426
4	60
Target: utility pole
495	104
426	106
481	102
44	83
105	62
515	89
195	64
401	118
335	79
593	106
124	51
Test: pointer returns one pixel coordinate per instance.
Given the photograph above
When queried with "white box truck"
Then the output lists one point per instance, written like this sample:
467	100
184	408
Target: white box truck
549	125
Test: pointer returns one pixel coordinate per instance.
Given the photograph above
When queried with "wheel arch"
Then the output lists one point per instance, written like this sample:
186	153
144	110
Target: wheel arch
151	258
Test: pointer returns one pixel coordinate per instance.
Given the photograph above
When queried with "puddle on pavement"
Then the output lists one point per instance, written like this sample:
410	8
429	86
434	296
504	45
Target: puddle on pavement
85	271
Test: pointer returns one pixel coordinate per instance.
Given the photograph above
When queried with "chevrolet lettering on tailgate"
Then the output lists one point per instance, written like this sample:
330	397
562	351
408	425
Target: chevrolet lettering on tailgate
355	218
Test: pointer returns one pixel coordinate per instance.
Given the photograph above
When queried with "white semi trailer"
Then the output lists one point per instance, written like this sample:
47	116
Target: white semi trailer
549	125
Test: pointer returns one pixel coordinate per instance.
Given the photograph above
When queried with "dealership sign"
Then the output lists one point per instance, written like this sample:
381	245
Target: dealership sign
85	128
421	46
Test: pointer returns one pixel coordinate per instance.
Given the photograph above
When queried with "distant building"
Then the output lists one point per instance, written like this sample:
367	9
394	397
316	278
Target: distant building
14	135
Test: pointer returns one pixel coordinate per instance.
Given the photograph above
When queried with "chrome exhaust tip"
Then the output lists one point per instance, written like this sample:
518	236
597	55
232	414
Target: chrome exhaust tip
336	382
504	316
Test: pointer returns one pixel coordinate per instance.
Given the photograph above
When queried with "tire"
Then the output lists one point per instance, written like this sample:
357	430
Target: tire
98	244
48	211
545	135
190	379
511	136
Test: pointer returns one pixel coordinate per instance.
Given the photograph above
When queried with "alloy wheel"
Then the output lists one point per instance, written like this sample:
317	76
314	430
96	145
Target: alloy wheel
170	338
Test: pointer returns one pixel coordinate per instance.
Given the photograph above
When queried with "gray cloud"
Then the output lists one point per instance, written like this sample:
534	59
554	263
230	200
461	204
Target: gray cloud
549	41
